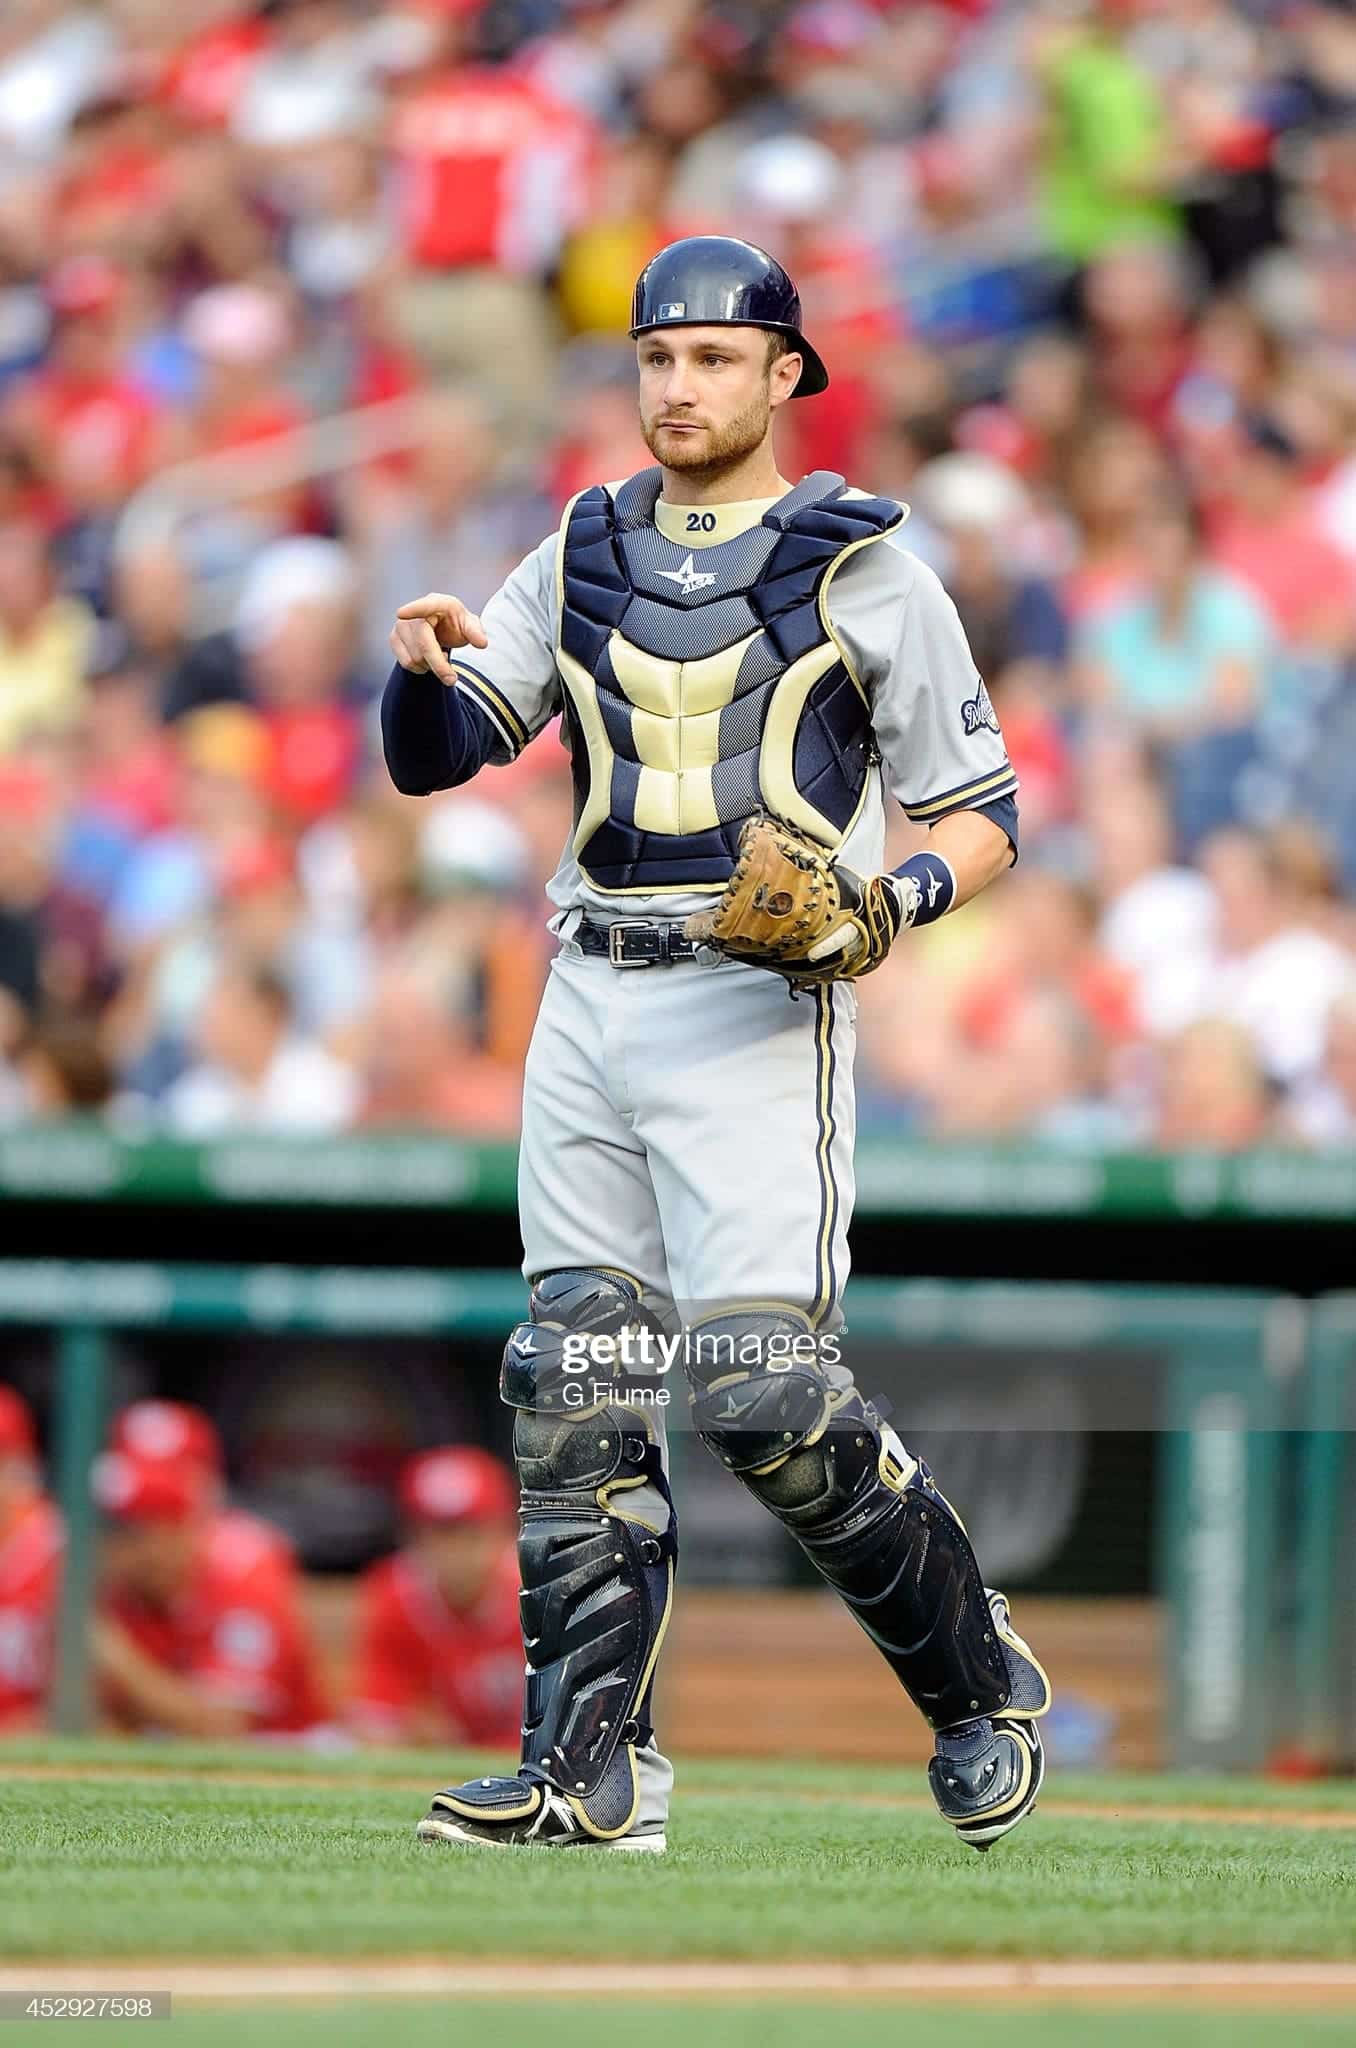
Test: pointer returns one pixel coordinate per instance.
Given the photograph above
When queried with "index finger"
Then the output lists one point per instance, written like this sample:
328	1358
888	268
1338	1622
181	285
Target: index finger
434	656
421	643
435	605
465	627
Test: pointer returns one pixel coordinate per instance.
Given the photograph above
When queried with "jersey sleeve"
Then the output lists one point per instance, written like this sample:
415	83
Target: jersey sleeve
514	681
938	734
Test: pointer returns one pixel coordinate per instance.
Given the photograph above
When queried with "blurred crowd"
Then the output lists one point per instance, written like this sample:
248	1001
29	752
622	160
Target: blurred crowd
201	1626
309	306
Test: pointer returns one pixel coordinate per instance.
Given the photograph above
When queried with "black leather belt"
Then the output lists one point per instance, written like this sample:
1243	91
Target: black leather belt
632	942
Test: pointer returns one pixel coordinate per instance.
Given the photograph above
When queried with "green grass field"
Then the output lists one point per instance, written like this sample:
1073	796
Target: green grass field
764	2024
110	1854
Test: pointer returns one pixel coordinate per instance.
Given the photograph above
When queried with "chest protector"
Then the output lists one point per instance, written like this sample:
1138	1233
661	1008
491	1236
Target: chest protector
704	686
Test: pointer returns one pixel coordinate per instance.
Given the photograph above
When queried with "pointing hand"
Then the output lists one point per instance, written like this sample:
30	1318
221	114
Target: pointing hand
426	628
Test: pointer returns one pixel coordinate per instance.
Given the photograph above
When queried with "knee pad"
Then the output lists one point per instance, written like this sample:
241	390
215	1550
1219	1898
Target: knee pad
761	1391
547	1358
783	1413
596	1551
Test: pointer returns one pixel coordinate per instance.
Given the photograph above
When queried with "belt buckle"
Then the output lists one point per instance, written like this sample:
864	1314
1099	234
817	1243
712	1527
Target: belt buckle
616	942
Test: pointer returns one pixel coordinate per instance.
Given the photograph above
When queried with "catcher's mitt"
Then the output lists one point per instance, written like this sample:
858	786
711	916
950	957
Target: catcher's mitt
789	908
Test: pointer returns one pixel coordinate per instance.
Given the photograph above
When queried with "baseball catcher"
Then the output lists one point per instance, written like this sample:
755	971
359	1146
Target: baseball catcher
747	671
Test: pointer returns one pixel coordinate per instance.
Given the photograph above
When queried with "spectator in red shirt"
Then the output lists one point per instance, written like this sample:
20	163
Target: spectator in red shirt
295	627
112	189
241	336
30	1571
440	1653
205	76
128	774
491	174
1135	301
87	428
1051	946
1267	533
798	202
174	1433
195	1635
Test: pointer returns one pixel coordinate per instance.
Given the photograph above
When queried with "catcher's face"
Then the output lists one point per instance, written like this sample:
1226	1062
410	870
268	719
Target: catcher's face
707	394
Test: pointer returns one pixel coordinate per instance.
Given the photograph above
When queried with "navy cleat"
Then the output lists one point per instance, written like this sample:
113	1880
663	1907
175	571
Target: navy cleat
986	1773
526	1812
985	1777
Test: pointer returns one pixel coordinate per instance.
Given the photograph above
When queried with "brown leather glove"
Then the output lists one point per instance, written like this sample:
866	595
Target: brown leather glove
788	907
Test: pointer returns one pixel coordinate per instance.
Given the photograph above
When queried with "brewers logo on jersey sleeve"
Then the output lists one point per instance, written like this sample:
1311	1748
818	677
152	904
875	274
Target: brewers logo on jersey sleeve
696	697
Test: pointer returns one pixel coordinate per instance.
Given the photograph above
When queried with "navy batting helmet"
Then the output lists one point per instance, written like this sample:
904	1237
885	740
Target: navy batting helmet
717	281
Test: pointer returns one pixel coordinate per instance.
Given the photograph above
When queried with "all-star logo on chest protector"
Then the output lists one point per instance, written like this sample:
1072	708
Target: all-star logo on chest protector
688	578
697	697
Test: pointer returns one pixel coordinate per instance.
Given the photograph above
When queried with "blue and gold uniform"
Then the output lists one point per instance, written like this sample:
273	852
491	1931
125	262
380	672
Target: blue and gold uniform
688	1135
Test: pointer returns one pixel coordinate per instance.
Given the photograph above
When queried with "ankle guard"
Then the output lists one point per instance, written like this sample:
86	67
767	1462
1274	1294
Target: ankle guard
871	1521
985	1778
596	1553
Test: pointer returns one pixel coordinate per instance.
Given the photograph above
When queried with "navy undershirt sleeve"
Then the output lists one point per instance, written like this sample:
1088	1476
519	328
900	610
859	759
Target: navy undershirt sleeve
1004	815
433	737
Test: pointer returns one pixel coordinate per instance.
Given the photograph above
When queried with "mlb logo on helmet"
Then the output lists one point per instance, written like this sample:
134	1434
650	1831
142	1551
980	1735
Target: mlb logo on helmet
724	283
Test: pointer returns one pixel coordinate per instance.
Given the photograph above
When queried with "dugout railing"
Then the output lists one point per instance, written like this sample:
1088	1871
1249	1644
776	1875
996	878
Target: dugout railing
1326	1543
1221	1374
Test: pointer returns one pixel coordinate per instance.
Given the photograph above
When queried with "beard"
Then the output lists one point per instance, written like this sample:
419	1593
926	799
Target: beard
718	449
